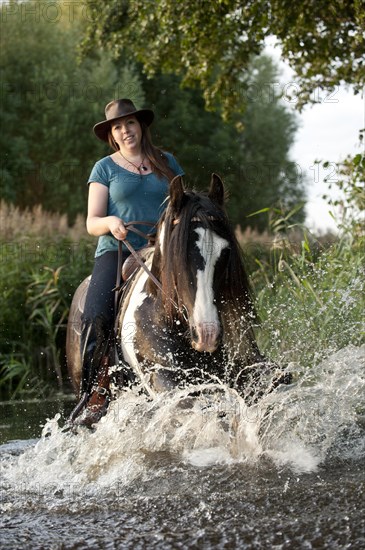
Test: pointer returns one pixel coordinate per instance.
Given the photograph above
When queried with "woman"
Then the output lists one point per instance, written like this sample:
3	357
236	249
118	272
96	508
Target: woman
131	184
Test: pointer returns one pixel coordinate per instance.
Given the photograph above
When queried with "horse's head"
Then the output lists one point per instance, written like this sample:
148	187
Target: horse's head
199	264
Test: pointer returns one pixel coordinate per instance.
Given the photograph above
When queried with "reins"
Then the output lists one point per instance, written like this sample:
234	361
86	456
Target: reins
140	262
130	227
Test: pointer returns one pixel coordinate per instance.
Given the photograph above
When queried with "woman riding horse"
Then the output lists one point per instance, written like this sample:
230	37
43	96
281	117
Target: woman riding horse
130	184
187	316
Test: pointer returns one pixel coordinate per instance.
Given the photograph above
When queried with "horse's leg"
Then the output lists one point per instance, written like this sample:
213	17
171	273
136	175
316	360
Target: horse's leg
145	340
258	377
251	373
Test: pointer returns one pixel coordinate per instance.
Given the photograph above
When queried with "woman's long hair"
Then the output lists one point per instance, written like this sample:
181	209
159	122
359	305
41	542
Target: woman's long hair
157	158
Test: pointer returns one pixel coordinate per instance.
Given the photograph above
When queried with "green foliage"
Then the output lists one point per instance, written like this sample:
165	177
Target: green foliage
352	191
310	299
49	105
310	311
266	176
36	294
323	43
16	378
251	152
49	309
211	43
51	102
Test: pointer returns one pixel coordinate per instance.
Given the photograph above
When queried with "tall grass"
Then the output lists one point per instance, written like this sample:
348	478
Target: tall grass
19	225
312	302
310	297
42	261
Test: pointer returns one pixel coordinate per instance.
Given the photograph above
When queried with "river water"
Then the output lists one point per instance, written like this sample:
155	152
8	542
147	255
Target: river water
285	473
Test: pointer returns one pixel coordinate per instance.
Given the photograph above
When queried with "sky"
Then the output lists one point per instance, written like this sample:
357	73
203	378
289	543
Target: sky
328	131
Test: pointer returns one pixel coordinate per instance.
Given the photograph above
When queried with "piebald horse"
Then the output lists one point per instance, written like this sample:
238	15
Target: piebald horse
196	326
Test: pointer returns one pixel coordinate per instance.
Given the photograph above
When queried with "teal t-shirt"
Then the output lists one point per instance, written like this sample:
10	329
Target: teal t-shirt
131	197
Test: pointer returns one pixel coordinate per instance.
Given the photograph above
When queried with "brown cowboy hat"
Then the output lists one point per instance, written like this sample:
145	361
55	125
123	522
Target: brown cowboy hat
119	108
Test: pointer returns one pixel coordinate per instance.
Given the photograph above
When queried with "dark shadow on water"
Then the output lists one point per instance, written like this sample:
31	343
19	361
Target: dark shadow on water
24	419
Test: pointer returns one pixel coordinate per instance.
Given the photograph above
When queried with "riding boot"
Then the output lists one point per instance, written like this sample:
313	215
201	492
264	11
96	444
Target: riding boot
99	398
84	394
95	391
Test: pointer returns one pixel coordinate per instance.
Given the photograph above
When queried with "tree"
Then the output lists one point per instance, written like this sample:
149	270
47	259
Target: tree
264	174
250	152
48	107
51	102
211	43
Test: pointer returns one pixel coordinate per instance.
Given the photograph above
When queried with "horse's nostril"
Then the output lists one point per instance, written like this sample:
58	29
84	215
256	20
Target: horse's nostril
205	336
194	333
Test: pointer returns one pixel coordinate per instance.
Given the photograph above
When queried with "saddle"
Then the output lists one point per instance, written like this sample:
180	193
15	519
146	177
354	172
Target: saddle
130	265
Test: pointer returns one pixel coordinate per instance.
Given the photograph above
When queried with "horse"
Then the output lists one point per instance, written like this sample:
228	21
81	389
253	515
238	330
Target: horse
196	326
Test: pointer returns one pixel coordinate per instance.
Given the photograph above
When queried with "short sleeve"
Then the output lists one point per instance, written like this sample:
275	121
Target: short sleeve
99	175
174	165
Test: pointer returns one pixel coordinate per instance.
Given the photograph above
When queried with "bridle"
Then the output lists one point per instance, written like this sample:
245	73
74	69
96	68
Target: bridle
141	263
195	219
130	227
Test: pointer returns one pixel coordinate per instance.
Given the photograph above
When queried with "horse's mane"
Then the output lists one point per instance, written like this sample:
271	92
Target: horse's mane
172	268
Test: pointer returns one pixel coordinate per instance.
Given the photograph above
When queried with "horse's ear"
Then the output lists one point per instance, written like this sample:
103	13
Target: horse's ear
216	190
176	193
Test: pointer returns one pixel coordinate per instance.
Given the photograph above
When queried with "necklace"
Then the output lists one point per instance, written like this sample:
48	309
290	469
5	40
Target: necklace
140	168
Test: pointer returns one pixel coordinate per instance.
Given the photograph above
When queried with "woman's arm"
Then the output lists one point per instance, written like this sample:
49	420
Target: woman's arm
98	223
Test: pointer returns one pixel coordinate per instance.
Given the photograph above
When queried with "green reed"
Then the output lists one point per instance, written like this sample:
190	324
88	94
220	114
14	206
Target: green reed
38	277
310	297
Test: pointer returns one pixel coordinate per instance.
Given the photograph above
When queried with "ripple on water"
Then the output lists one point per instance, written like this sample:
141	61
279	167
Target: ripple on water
209	469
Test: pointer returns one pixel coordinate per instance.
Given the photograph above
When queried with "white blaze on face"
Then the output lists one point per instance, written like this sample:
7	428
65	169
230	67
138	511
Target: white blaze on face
205	315
161	237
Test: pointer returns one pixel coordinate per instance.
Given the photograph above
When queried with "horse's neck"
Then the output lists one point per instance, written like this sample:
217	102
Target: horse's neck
155	267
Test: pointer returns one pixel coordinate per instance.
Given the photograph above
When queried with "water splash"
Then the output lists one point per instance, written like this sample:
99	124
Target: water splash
316	419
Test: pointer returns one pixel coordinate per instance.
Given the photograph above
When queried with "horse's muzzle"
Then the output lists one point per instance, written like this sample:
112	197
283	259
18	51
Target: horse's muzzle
205	337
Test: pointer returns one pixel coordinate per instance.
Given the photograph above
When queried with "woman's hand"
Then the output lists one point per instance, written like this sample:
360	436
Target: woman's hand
117	227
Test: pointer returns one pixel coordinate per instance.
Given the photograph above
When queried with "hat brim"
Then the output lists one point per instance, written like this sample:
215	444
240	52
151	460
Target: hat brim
101	129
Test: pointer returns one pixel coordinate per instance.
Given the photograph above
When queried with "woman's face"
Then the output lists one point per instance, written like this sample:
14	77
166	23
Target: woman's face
127	132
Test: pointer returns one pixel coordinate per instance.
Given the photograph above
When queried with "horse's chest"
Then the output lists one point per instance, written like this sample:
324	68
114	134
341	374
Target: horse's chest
156	341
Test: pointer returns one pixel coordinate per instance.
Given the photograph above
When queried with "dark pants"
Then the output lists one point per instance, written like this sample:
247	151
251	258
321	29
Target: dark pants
98	317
